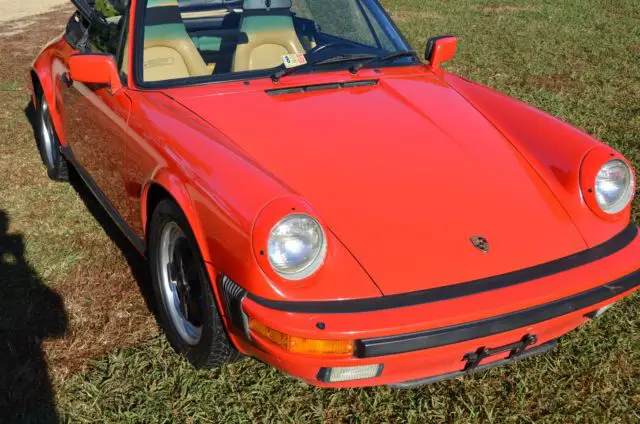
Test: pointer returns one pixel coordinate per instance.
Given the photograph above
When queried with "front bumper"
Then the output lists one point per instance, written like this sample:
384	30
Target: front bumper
417	341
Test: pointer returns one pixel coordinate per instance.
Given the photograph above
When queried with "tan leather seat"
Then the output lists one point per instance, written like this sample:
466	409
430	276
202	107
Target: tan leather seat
169	52
269	37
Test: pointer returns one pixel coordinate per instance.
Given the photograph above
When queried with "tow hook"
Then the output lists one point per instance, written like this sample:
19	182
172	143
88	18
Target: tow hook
516	349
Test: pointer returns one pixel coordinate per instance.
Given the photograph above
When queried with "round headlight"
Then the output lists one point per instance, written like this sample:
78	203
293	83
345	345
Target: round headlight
297	247
614	186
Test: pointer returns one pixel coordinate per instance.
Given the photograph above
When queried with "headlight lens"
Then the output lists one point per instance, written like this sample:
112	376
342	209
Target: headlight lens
614	186
297	247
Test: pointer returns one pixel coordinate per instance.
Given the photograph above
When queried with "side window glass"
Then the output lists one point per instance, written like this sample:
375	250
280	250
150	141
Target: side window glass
105	28
76	32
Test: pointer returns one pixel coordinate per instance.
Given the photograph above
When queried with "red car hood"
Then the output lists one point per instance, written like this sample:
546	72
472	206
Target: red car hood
405	173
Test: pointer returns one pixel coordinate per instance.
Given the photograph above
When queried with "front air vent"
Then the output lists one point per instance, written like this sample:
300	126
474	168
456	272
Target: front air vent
232	295
321	87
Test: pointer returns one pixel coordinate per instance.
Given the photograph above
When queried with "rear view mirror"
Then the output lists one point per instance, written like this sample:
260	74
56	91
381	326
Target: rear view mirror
440	49
95	69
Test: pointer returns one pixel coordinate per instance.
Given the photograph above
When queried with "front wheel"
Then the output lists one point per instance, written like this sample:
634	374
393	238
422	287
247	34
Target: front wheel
186	304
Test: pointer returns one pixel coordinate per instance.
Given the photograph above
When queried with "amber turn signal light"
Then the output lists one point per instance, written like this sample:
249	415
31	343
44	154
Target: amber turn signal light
301	345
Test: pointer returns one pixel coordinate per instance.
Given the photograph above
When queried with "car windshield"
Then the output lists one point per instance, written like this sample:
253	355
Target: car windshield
192	40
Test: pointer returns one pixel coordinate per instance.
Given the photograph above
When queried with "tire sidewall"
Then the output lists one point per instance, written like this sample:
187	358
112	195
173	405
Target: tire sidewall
41	142
198	354
53	168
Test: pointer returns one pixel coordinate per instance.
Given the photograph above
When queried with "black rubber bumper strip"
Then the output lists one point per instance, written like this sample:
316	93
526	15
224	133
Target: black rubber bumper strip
526	275
534	351
390	345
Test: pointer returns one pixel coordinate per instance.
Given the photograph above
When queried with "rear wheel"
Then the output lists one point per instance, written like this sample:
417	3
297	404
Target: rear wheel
186	304
48	142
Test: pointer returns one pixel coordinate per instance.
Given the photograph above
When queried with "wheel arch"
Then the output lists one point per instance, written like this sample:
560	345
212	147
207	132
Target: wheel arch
41	79
168	186
35	84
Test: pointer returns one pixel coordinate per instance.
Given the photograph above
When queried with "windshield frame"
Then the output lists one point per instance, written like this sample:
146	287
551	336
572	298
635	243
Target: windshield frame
137	64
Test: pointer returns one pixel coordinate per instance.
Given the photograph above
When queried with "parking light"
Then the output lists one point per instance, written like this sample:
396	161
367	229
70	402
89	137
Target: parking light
295	344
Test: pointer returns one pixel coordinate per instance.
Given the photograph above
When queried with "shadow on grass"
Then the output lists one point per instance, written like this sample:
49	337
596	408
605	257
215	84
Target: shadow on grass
138	264
30	312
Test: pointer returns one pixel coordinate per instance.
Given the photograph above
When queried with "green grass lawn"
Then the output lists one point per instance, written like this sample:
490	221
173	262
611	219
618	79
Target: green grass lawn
577	59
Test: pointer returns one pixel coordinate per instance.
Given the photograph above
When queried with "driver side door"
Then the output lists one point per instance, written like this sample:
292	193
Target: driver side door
96	118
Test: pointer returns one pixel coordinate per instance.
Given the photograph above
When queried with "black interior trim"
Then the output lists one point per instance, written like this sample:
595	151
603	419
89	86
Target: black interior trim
139	244
403	343
453	291
163	15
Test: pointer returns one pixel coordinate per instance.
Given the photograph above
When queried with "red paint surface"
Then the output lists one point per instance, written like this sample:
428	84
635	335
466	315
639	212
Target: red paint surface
401	175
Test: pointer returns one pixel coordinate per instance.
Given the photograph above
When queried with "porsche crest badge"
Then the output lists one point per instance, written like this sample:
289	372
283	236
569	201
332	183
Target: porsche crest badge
481	243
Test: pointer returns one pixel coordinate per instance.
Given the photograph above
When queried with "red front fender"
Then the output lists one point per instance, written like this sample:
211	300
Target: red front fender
555	149
49	68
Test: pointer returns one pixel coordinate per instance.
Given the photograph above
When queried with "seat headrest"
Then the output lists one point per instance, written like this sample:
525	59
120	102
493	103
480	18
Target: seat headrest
266	5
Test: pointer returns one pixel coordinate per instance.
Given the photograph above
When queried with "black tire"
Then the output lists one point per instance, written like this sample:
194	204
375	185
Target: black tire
48	141
214	347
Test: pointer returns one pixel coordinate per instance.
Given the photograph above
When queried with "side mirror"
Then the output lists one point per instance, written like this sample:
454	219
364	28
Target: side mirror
95	69
440	49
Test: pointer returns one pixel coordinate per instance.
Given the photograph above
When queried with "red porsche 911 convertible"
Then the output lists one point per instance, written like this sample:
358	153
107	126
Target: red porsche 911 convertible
308	192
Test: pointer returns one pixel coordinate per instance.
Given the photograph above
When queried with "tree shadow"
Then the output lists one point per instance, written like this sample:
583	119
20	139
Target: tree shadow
30	312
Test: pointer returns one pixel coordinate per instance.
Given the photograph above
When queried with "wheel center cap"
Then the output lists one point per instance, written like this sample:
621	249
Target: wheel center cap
176	273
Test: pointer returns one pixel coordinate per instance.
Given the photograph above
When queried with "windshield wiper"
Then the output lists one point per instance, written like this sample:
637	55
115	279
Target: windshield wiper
327	61
404	53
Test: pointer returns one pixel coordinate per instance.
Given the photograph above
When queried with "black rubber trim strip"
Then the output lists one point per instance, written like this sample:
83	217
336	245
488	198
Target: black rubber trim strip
390	345
139	244
534	351
321	87
526	275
